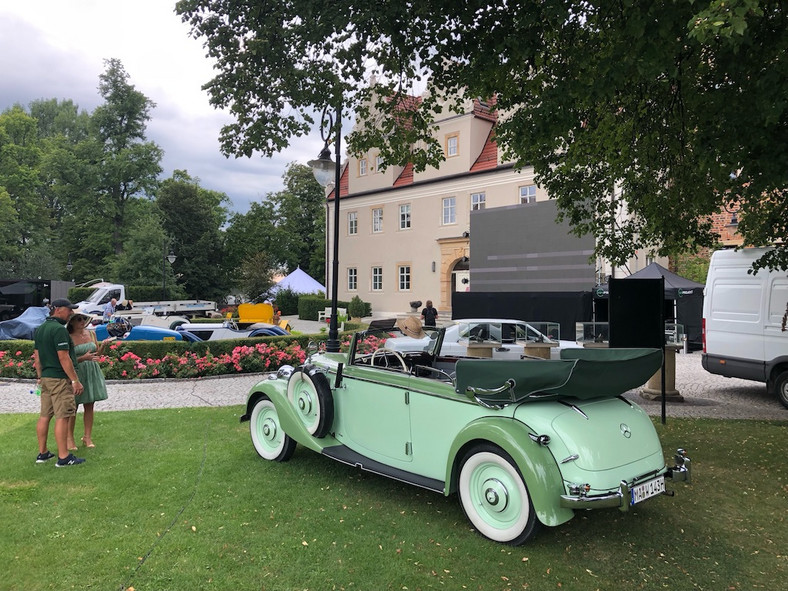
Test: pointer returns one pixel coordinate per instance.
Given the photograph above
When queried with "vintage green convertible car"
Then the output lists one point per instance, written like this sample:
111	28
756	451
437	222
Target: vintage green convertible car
522	442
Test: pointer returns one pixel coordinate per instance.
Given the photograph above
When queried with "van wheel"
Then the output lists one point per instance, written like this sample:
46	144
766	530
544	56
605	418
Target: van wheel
781	387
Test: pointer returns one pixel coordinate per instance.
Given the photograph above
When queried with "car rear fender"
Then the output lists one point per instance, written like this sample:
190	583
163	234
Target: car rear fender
535	462
276	391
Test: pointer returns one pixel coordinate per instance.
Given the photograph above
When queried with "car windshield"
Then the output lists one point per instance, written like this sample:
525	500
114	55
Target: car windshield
499	332
386	335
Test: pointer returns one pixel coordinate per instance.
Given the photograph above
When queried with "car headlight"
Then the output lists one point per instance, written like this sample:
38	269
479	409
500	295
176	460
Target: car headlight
283	372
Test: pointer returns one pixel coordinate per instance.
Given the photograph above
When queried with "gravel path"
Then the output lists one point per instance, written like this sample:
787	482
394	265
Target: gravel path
705	395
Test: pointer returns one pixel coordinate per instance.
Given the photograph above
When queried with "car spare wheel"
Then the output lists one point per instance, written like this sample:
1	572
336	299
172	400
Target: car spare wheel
310	395
269	439
494	497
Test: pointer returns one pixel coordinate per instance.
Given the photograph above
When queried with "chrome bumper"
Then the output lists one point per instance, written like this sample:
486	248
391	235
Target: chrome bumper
619	499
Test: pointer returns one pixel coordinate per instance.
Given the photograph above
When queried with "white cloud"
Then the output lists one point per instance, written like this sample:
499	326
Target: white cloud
56	49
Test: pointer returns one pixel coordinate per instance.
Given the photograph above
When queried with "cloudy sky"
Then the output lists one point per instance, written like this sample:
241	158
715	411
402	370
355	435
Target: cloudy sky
56	49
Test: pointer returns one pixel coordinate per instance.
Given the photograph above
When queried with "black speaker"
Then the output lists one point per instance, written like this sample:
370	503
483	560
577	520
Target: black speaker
636	313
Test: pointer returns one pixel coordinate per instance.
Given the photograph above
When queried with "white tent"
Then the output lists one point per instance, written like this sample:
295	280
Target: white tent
299	282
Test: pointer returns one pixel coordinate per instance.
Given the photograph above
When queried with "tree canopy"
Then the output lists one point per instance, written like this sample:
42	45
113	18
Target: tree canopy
287	227
641	118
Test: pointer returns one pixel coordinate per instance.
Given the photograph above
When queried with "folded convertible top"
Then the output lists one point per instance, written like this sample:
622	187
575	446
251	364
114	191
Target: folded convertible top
580	373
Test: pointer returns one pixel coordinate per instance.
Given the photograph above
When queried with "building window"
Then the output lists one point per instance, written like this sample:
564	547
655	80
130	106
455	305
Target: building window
352	223
379	164
377	278
452	145
528	194
449	210
404	217
478	201
352	279
362	167
403	273
377	220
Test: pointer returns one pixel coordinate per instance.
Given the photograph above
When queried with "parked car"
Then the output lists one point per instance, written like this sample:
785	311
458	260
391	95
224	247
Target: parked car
523	443
503	339
124	331
24	326
212	331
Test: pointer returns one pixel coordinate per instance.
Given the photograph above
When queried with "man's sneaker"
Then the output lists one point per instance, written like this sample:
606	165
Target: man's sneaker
69	460
44	457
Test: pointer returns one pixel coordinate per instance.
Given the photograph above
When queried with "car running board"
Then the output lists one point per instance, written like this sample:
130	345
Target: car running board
347	456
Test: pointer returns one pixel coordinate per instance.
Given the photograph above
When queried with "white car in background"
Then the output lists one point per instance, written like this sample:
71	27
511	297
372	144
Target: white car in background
504	338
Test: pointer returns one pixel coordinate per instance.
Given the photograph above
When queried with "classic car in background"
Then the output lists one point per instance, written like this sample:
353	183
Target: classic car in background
212	331
122	328
124	331
522	442
24	326
494	337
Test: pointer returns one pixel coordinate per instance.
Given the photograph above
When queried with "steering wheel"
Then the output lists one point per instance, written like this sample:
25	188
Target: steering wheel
385	354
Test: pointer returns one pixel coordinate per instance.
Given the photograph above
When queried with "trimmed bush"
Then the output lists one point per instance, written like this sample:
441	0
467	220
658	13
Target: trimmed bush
356	308
287	301
310	306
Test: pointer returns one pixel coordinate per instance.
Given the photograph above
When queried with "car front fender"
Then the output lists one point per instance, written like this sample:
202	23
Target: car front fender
535	462
276	392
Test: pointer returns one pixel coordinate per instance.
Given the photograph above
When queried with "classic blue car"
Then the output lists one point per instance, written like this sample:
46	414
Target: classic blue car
126	332
523	442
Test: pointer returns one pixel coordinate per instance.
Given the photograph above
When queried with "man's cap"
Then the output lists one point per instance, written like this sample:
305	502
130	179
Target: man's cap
64	303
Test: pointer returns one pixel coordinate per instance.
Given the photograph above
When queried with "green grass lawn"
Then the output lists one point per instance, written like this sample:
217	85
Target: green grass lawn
178	500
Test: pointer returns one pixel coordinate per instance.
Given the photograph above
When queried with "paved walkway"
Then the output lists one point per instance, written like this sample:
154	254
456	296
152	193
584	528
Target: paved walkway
705	395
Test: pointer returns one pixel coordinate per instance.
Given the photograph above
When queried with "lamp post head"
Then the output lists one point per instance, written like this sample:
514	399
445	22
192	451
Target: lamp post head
323	168
171	257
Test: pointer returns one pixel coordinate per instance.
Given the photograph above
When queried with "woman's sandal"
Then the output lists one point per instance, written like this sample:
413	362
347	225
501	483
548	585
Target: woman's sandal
88	442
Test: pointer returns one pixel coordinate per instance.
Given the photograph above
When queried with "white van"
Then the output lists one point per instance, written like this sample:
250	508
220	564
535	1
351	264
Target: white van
744	321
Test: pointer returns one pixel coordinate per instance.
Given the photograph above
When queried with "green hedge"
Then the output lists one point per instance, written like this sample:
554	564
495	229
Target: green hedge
310	306
26	347
287	301
158	349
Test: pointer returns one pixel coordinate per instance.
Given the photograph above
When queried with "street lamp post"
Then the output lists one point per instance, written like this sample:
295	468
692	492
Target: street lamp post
164	258
323	168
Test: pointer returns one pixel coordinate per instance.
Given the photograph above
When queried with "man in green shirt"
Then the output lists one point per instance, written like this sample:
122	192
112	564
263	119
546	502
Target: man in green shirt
55	363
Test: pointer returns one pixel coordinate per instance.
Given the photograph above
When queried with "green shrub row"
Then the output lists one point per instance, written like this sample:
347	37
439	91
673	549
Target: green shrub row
158	349
310	306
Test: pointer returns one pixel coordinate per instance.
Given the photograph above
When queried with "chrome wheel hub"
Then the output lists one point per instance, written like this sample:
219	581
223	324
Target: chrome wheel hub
495	494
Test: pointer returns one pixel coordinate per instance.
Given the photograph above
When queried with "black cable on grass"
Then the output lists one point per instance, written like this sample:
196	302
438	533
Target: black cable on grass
125	585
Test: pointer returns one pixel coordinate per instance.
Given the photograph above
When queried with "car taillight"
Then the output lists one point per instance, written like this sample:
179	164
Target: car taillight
703	332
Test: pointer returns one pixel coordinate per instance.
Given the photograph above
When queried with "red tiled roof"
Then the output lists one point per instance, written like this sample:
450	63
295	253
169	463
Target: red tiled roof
343	184
485	109
405	177
488	158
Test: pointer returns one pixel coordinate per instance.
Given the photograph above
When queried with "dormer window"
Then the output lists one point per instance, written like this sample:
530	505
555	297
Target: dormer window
362	167
452	145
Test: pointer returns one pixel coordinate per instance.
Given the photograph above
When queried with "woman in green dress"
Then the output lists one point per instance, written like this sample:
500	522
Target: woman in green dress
88	350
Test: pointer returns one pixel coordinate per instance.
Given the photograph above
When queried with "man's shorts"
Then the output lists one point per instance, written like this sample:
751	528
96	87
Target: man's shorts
57	398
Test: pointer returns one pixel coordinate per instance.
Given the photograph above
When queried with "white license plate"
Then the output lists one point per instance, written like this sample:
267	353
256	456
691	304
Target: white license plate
649	489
